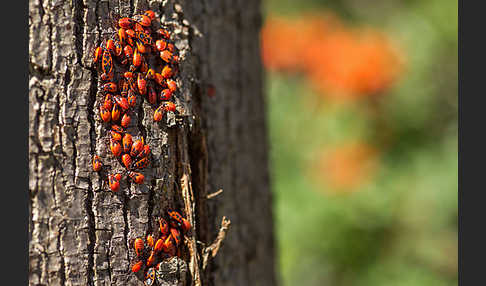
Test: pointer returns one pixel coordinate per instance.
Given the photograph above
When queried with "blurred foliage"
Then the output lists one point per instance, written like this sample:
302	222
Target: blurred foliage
365	189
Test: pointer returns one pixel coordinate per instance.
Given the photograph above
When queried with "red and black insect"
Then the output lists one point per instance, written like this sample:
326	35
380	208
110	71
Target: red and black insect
149	279
145	152
121	101
136	177
109	87
159	245
127	160
115	148
114	183
144	38
175	235
125	23
150	14
140	164
152	95
125	121
142	20
105	114
97	163
137	146
115	113
107	66
127	142
132	98
115	135
139	246
165	94
150	240
137	266
141	84
164	226
176	220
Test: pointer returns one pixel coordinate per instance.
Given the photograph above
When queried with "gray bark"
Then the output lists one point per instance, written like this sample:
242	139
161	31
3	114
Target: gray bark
79	230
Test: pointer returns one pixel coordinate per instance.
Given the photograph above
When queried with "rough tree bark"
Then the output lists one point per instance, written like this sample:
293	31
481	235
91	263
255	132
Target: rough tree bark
79	231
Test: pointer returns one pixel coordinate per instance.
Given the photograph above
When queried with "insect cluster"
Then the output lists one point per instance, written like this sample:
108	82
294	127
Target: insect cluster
164	243
134	51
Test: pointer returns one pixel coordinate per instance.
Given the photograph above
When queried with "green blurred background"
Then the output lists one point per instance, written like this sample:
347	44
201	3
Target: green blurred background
365	190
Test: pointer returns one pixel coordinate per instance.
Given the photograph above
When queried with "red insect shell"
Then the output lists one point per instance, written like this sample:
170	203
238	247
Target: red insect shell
128	51
108	103
122	35
145	152
137	146
169	246
142	163
127	160
138	27
97	54
141	84
121	101
115	148
166	56
170	48
115	135
159	245
169	106
152	95
164	226
132	98
163	33
137	266
160	45
150	74
110	46
150	14
117	128
166	72
105	114
125	23
175	235
118	47
109	87
137	58
127	142
150	240
165	94
138	246
159	79
142	20
141	48
172	85
159	113
136	177
97	163
144	66
114	183
175	219
186	225
107	62
151	258
125	121
115	112
130	33
118	177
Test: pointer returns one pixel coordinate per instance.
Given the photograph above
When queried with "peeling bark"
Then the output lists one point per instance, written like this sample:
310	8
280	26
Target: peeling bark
80	231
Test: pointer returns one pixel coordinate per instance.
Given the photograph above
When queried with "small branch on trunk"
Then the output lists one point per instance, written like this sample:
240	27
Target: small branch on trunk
212	195
214	247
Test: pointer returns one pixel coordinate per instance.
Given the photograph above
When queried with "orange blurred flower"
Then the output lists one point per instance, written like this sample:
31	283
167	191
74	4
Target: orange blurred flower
345	168
339	61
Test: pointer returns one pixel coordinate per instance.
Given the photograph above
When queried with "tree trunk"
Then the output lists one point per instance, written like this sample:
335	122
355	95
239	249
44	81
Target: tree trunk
79	230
